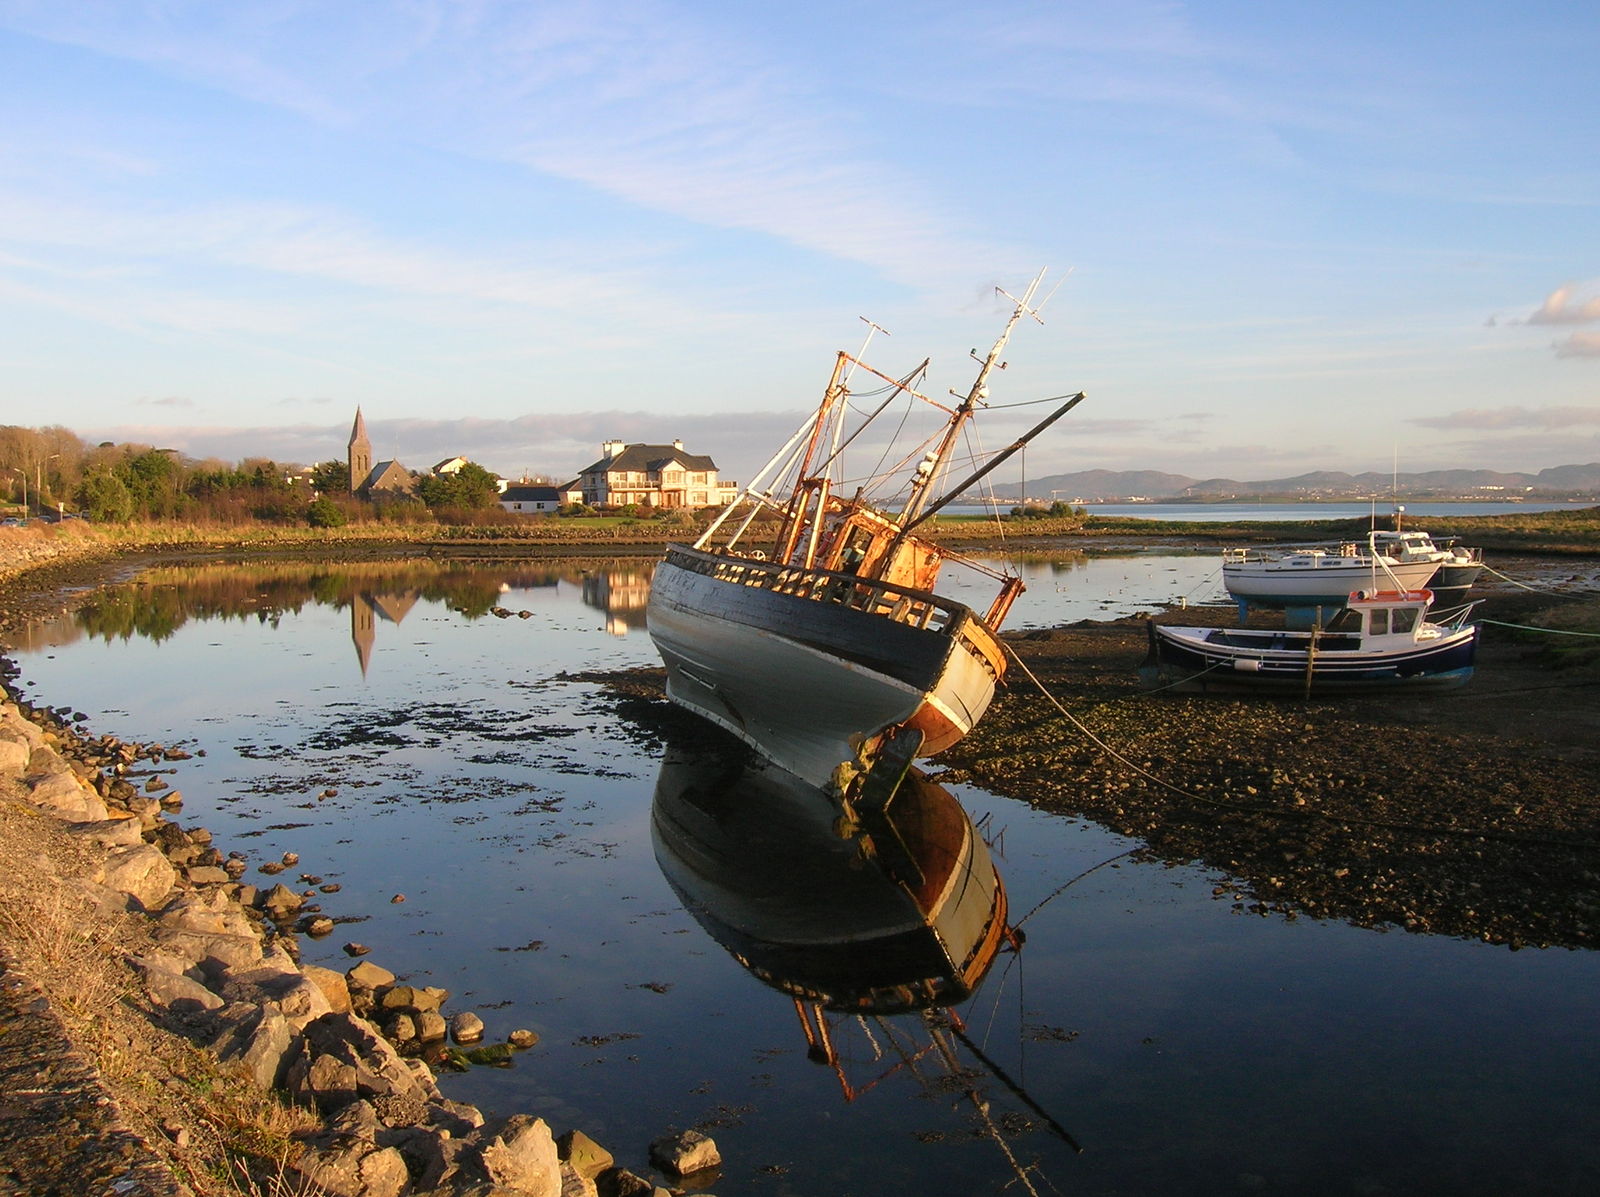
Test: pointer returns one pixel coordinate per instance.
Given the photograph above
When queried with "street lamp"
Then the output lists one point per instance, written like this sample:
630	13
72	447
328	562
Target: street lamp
38	482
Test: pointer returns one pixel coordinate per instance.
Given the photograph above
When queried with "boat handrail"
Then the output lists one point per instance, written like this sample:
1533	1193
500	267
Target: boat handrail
902	604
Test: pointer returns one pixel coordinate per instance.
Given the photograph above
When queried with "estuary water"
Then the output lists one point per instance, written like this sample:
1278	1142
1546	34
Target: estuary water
416	730
1381	512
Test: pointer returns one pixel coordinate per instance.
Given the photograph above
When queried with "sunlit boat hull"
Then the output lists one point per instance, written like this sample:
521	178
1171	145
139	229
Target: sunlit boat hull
809	666
1318	581
1285	661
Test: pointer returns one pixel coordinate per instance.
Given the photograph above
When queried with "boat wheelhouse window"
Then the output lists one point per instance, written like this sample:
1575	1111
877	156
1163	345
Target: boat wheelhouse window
1378	622
1403	619
1347	620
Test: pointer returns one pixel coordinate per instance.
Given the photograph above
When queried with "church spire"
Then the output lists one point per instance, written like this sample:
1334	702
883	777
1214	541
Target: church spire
360	453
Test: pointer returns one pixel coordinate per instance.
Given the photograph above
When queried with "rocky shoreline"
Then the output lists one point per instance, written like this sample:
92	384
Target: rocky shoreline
198	972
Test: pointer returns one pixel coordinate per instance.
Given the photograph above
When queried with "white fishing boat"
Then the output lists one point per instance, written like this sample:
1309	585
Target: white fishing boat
1316	577
826	637
1381	640
1456	567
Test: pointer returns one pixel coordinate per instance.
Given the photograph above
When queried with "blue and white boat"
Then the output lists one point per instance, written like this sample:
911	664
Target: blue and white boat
1382	640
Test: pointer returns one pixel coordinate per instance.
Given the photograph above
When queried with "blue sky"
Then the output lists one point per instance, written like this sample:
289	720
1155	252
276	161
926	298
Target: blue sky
1292	236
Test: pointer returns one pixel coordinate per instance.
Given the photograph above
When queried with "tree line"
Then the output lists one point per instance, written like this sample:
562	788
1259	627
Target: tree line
52	472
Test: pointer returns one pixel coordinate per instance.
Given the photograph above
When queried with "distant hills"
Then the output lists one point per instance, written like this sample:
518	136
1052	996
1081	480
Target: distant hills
1558	482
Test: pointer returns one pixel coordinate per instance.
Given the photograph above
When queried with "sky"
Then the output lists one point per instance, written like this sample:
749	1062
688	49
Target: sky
1280	237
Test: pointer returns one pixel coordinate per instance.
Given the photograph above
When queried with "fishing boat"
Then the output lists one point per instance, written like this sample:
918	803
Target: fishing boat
1316	577
818	634
1381	640
1456	567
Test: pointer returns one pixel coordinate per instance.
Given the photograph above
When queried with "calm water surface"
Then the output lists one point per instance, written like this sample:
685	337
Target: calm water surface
1185	1046
1382	511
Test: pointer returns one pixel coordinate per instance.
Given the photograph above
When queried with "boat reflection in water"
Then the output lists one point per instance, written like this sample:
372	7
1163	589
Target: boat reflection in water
858	911
880	907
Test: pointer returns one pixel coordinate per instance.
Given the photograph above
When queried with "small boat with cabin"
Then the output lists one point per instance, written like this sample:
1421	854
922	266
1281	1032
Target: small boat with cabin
1382	640
1456	567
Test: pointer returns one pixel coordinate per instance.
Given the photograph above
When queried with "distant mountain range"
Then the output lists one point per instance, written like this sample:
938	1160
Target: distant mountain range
1568	481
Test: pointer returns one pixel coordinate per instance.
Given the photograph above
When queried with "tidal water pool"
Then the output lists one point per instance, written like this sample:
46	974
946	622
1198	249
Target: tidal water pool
416	730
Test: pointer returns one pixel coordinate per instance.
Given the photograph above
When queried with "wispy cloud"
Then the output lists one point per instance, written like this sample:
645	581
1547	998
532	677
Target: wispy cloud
654	103
172	401
1505	418
1582	344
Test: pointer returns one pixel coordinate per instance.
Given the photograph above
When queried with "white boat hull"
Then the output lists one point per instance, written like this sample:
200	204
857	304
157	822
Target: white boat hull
1319	581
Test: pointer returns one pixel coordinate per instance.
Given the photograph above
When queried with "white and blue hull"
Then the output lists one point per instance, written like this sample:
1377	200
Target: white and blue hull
1295	662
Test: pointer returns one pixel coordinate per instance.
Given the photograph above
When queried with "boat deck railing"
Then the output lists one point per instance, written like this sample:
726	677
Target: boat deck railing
915	608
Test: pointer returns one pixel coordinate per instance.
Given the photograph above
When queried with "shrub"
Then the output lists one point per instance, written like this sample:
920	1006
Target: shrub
325	513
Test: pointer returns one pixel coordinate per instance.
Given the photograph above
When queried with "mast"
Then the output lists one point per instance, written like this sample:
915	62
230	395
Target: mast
933	464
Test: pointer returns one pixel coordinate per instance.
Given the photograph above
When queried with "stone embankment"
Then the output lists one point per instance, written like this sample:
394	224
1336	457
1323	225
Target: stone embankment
210	958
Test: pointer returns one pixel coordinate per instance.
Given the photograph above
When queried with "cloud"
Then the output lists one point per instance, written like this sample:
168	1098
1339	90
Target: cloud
1581	344
1560	308
653	103
557	444
1509	418
169	401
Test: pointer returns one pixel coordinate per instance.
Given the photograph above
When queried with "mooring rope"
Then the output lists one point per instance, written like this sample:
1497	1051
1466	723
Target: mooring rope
1491	569
1522	627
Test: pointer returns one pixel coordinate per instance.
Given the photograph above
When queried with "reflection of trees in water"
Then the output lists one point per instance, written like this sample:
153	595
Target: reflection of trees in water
162	600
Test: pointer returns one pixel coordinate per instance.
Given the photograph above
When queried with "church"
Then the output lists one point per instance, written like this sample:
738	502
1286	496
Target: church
367	479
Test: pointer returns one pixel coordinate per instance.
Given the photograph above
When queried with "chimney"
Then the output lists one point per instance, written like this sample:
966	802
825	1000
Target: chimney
612	448
677	445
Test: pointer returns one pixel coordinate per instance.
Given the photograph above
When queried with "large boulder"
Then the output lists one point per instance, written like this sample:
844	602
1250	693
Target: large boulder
57	788
341	1058
344	1166
519	1153
283	987
256	1040
119	831
141	872
174	991
333	985
14	752
685	1153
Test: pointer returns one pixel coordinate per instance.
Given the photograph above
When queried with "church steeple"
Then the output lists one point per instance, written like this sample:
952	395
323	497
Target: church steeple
360	454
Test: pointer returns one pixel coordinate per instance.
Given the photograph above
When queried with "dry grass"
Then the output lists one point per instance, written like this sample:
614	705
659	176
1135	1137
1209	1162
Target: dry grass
235	1139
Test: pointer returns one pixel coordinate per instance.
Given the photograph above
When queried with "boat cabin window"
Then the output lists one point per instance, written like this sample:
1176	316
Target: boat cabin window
1347	620
1403	619
1378	622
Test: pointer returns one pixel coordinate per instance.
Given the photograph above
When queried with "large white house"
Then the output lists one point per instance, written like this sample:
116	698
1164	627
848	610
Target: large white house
653	476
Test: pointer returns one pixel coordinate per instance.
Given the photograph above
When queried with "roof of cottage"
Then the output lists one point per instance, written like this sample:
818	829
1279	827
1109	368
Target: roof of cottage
530	494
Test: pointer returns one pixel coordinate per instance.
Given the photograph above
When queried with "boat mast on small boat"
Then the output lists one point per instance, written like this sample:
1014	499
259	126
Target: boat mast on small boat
826	640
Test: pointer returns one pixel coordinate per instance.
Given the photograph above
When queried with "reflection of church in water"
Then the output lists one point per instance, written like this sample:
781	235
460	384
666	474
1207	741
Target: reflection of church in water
366	608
